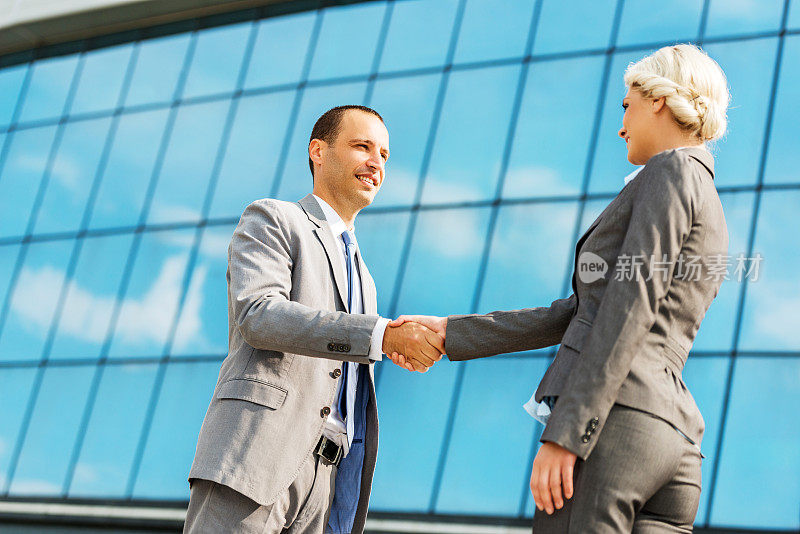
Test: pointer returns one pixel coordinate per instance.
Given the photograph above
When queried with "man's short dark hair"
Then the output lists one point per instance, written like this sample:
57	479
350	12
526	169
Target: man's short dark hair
328	125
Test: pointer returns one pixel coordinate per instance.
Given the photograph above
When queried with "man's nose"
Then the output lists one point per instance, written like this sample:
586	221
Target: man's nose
622	133
375	162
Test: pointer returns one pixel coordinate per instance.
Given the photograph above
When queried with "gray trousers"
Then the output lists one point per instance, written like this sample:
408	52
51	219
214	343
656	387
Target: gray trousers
642	477
302	508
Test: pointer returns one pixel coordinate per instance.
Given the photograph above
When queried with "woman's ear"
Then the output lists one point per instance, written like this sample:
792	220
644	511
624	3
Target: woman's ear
659	104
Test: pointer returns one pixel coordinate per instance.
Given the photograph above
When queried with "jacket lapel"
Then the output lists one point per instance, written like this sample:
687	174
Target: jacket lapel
367	286
323	233
578	246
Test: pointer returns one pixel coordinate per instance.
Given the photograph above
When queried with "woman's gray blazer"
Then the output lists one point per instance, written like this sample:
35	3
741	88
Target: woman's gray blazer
624	339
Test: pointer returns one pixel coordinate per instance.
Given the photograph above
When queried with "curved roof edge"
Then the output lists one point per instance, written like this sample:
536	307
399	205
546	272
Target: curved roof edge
27	25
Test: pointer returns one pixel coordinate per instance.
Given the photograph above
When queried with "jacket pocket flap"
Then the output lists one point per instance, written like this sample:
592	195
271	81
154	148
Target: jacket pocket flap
576	333
258	392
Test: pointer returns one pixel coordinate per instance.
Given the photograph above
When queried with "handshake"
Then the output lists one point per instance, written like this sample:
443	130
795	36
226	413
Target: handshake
415	342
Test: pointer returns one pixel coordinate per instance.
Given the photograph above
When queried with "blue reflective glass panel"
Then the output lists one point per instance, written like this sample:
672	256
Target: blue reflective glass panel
217	60
54	425
550	146
203	325
347	41
406	104
15	389
484	21
380	239
757	485
653	22
706	377
771	320
419	35
280	50
726	17
11	79
72	175
794	15
112	434
48	88
453	241
417	440
591	211
171	442
101	79
151	301
21	177
91	297
127	174
560	30
783	160
189	163
531	249
491	423
158	67
252	154
717	329
8	259
472	134
34	300
610	165
749	67
295	180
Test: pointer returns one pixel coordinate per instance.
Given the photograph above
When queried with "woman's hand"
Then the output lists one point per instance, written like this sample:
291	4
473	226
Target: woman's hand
552	468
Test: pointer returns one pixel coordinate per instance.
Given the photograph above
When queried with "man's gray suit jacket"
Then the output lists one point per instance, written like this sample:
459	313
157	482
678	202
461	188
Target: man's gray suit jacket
622	341
288	332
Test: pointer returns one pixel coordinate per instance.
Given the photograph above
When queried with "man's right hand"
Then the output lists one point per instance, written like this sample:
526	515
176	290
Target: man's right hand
421	346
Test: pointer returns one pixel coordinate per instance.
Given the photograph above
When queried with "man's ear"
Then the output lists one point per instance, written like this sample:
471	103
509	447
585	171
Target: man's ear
316	150
659	104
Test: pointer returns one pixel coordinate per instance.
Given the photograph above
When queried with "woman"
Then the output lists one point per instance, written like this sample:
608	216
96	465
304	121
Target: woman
621	448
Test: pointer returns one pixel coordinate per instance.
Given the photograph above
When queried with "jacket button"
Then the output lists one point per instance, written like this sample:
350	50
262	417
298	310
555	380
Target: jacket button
331	347
586	438
336	373
325	412
345	348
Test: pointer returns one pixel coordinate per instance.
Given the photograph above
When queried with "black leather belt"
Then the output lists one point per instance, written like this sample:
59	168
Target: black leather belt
329	450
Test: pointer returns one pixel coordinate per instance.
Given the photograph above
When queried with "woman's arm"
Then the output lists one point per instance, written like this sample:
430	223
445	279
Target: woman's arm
499	332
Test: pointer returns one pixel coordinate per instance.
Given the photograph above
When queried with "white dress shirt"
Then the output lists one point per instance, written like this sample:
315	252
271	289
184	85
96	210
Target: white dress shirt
334	428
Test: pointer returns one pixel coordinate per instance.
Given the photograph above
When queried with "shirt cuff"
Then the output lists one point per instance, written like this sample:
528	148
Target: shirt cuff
538	410
376	345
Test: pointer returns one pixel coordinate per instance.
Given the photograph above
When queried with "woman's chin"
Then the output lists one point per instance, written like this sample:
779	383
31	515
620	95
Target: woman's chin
635	158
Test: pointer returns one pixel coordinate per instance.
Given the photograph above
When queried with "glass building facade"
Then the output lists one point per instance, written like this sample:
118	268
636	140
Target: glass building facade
126	162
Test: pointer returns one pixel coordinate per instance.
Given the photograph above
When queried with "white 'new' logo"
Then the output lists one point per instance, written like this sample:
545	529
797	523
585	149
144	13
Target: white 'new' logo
591	267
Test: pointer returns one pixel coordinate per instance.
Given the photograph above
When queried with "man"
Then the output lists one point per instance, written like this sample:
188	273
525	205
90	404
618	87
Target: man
290	438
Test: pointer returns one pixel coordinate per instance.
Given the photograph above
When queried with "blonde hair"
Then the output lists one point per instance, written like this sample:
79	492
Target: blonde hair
693	85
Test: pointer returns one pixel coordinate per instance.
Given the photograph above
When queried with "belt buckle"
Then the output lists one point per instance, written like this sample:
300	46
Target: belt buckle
329	450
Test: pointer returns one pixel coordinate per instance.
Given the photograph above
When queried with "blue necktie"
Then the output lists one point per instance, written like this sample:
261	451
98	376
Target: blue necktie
347	396
353	398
